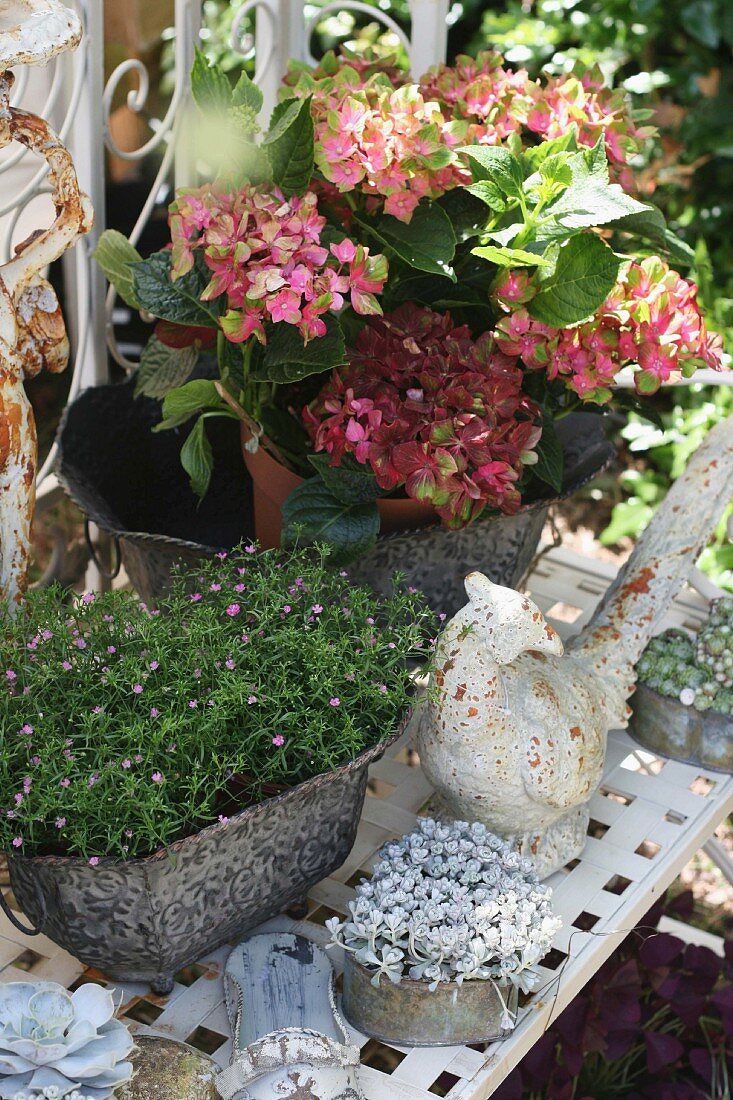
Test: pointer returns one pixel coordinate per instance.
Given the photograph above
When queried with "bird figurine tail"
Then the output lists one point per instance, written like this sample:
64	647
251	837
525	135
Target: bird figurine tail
634	606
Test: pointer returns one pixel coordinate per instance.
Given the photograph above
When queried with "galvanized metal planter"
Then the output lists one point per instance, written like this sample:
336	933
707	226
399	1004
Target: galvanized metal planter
409	1014
129	481
145	919
668	728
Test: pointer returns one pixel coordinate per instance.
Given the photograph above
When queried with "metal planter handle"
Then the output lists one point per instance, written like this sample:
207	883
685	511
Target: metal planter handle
31	931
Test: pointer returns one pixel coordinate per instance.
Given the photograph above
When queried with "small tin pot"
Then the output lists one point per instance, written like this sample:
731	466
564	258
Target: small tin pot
409	1014
669	728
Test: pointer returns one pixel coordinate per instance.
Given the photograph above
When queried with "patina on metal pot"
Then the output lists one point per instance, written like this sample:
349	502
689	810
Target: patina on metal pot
668	728
144	919
410	1014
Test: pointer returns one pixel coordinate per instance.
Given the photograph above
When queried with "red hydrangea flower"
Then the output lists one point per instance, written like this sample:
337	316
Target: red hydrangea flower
431	410
264	253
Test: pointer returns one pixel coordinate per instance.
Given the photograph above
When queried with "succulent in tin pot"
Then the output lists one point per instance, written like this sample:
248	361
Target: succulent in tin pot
449	905
55	1044
698	671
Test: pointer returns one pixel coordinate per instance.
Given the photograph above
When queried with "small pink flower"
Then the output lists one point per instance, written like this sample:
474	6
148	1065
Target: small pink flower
47	635
111	649
233	610
193	703
383	689
17	841
88	598
27	729
97	710
19	799
442	616
287	609
137	689
278	740
154	712
66	666
230	664
335	702
126	764
239	587
157	777
60	822
94	861
391	645
10	675
316	609
195	597
138	758
222	555
245	638
153	665
80	643
250	549
65	783
252	699
215	587
223	820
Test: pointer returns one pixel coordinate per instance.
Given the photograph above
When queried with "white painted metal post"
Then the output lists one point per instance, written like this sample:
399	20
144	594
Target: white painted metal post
188	26
429	34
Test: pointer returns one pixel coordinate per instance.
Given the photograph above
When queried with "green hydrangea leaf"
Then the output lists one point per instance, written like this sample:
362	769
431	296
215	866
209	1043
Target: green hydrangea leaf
183	402
209	85
584	273
247	94
287	359
510	257
178	301
427	242
550	457
290	145
495	163
351	483
116	257
197	458
312	514
163	369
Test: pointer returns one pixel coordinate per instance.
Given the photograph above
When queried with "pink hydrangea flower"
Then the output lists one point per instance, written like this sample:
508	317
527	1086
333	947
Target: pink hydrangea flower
264	253
650	322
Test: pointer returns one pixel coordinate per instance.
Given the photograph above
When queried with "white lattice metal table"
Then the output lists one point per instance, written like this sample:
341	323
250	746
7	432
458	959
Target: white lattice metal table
648	818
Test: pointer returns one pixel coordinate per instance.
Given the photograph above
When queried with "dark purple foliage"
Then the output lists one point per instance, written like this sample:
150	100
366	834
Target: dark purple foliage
658	1015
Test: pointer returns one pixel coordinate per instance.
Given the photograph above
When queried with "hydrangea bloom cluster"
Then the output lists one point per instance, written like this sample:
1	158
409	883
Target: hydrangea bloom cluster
497	102
126	729
264	253
432	410
388	143
450	903
650	321
698	671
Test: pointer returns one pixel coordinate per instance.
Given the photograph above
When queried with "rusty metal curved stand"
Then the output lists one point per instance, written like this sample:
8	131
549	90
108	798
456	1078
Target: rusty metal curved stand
32	332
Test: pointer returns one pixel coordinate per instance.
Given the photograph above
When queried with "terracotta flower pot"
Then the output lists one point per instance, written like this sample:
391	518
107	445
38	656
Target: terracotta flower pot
272	484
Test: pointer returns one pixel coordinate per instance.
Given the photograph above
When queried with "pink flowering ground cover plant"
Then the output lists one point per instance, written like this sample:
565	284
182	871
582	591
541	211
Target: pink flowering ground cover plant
126	728
408	282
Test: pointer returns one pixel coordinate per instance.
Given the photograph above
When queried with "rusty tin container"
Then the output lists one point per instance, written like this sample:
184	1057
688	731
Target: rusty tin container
409	1014
668	728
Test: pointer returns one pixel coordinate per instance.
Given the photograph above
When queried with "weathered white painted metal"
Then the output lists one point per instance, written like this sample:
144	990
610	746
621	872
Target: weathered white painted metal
515	731
32	333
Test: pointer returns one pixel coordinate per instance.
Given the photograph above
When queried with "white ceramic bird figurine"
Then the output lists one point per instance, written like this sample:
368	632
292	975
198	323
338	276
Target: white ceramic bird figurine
514	734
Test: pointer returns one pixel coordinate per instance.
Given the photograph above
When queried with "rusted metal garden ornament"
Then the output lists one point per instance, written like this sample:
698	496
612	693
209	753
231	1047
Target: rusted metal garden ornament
32	332
515	731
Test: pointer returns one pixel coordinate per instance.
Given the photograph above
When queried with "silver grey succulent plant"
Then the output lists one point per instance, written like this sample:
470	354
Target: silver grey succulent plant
449	903
54	1043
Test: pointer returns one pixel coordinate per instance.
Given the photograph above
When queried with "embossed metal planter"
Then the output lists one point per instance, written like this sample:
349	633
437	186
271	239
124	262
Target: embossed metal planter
409	1014
668	728
144	919
129	481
